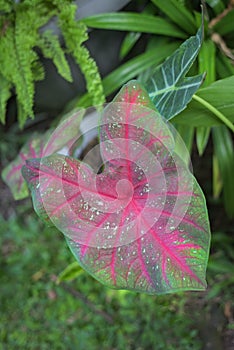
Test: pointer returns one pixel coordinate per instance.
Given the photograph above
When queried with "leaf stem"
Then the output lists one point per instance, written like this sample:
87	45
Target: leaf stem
215	111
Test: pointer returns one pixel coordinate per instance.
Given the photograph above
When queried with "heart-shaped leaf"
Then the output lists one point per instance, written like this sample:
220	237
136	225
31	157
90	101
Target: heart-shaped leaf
41	145
168	87
142	223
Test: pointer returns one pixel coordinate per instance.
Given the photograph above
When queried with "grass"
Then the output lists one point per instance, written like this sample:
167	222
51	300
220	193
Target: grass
38	313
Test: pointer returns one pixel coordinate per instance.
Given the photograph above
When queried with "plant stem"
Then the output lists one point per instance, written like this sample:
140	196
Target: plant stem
215	111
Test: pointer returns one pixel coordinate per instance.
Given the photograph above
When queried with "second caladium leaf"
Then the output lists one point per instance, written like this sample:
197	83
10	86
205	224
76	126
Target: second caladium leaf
41	145
142	223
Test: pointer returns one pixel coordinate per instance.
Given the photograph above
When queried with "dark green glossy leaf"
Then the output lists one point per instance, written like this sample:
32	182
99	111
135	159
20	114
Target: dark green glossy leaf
217	5
130	70
226	24
157	43
206	59
187	135
219	95
134	22
224	66
202	137
224	152
177	13
168	87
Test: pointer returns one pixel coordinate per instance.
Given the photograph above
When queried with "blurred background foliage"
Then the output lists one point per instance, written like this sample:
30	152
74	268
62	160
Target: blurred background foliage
49	66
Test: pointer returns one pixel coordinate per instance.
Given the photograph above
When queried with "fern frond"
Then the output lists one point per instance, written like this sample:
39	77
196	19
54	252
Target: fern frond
38	70
75	33
25	57
50	46
5	93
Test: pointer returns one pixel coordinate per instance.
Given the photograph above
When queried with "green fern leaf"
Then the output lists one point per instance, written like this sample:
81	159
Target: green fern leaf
75	33
38	71
50	46
25	56
5	94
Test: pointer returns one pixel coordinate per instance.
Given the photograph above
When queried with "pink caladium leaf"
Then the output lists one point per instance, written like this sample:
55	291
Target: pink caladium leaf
41	145
141	224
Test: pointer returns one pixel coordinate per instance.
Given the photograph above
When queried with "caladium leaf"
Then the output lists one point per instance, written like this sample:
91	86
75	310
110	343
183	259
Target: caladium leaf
168	87
41	145
142	223
12	173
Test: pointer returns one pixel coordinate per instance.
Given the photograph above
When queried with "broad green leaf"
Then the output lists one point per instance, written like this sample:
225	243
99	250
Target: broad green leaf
157	43
206	59
71	272
177	14
219	95
142	223
226	24
217	5
187	135
168	88
130	70
202	137
134	22
224	151
224	66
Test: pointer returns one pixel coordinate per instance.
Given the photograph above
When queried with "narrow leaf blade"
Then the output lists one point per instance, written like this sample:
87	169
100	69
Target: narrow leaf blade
177	13
134	22
224	152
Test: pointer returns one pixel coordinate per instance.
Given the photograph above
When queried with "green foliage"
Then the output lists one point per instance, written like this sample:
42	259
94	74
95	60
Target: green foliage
224	151
168	87
213	104
177	14
36	311
20	67
134	22
75	34
51	48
